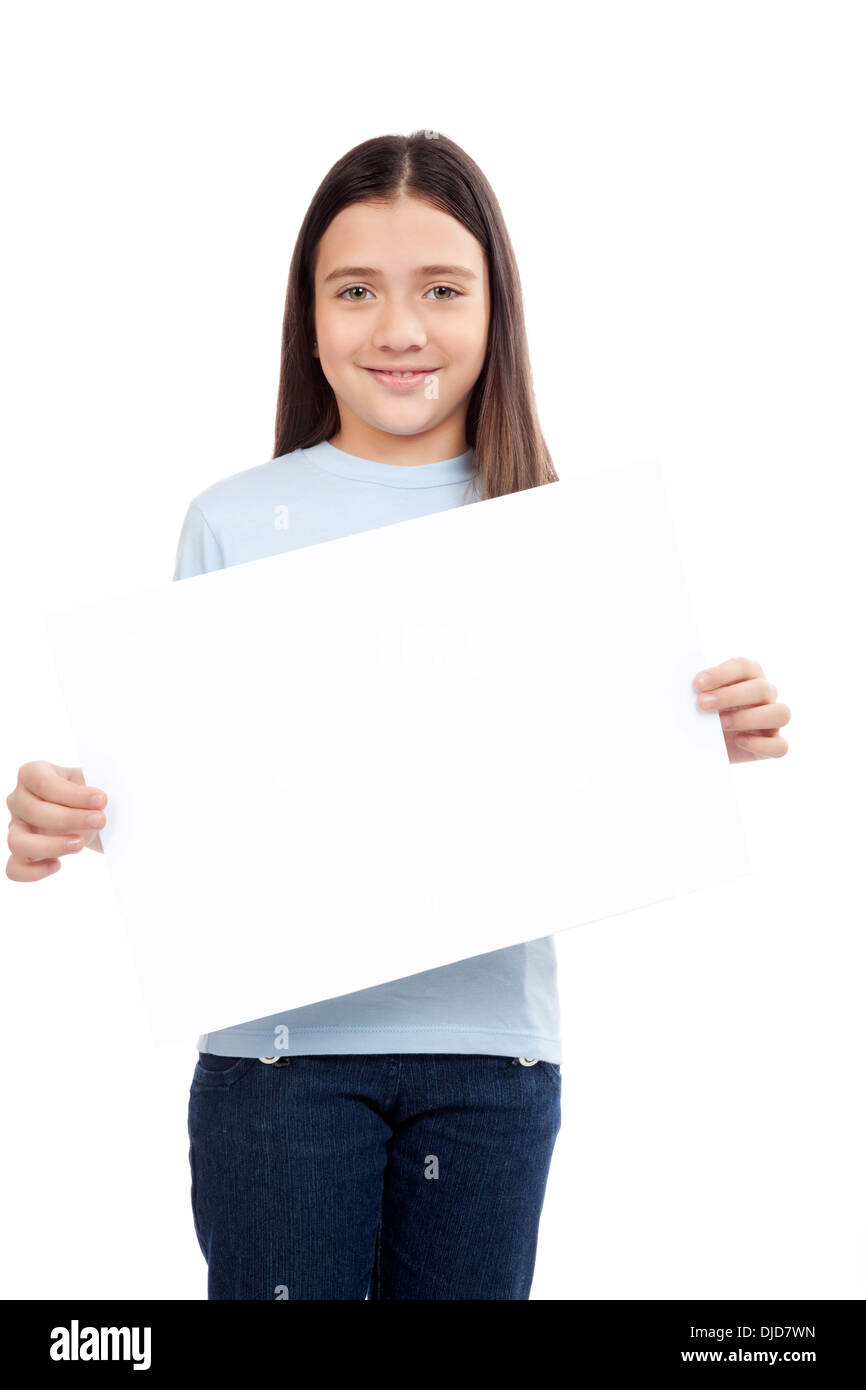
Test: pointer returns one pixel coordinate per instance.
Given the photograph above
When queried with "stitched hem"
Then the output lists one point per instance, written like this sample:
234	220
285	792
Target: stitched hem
320	1040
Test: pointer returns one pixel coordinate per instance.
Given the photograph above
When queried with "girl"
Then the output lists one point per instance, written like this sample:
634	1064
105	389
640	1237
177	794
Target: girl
393	1143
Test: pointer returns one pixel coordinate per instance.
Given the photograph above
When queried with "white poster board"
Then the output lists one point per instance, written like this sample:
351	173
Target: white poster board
379	754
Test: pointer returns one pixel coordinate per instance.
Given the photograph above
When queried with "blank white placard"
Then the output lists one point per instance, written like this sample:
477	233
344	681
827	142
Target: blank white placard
379	754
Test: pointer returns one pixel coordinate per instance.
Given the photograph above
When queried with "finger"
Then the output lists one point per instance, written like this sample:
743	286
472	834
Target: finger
752	692
25	842
23	871
54	819
769	717
764	745
64	785
739	668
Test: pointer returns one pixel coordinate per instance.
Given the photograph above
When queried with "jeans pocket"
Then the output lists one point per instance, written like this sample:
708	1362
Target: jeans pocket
213	1071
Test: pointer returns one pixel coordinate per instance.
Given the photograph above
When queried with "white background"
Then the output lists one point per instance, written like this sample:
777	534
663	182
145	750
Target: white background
683	187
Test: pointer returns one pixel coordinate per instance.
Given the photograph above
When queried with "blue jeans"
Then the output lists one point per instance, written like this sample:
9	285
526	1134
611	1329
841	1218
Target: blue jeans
411	1175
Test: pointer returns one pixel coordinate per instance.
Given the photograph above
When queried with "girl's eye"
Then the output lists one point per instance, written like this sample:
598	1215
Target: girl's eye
455	293
445	287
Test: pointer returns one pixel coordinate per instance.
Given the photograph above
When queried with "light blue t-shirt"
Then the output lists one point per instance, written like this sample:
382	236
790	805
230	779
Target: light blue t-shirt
503	1002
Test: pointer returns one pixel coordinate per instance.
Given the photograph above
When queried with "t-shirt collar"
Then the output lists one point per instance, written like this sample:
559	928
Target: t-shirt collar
454	470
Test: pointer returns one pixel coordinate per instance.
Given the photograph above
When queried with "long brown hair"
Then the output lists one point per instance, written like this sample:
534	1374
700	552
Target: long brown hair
502	420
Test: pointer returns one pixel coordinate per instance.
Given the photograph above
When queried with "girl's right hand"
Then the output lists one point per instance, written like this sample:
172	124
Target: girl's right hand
53	813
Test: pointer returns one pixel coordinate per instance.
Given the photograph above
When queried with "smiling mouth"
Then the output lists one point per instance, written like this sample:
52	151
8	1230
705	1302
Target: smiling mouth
401	371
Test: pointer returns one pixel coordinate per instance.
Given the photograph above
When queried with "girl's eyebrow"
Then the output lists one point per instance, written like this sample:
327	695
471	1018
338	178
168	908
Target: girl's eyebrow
369	272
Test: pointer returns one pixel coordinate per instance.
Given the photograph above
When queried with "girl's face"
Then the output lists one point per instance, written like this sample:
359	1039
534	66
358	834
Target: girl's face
401	285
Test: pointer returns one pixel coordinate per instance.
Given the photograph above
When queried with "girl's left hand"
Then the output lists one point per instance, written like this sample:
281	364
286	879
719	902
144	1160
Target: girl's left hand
746	702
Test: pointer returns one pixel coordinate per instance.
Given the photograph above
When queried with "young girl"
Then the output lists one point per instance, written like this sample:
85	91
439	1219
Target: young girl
393	1143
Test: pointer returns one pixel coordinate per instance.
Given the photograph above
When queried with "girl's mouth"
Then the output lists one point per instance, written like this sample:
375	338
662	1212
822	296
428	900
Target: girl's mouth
394	382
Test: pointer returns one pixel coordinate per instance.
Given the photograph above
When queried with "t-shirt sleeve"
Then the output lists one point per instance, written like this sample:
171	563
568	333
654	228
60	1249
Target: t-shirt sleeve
198	550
